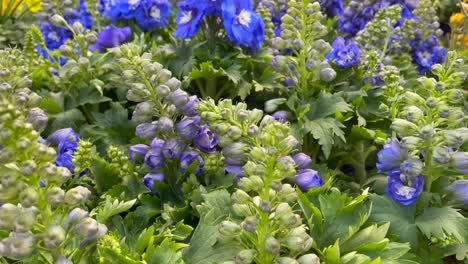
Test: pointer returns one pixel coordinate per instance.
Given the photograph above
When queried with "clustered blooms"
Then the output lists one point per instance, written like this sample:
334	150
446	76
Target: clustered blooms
111	37
55	36
67	142
344	55
149	14
427	52
405	182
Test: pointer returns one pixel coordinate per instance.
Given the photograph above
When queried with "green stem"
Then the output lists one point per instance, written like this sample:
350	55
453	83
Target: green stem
359	162
211	88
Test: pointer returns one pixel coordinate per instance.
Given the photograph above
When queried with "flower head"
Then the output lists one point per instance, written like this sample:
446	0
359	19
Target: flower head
344	55
188	20
67	141
111	37
243	26
460	190
154	158
205	140
302	160
138	150
308	179
332	7
459	160
188	127
153	14
427	53
172	148
391	156
188	157
149	179
404	189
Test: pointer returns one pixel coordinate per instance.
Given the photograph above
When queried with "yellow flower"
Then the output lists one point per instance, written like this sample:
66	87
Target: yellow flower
456	19
15	5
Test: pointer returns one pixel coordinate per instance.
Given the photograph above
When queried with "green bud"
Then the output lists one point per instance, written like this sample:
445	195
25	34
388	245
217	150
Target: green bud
55	196
404	128
234	132
83	62
241	210
246	256
28	197
250	224
253	131
287	193
414	114
77	195
240	196
229	228
283	209
8	213
428	83
411	143
87	227
454	96
456	116
25	221
289	144
441	155
54	236
27	168
432	102
411	98
454	138
309	259
426	132
255	115
272	245
58	21
173	83
286	260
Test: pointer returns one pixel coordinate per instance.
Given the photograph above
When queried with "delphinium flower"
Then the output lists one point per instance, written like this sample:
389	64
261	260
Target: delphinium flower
149	14
404	189
243	25
332	7
111	37
427	53
344	55
276	9
460	189
67	142
391	156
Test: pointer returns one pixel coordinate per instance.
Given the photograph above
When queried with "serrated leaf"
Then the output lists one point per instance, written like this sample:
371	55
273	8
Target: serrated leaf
50	106
206	71
150	206
366	236
325	130
166	253
104	175
244	89
326	105
144	239
234	74
113	208
400	217
68	118
443	221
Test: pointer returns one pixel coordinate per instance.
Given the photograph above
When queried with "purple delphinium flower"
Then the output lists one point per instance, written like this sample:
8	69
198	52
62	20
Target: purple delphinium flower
67	141
344	55
153	14
111	37
188	127
190	108
235	169
188	20
178	97
281	116
172	148
459	161
460	190
427	53
402	189
332	7
146	131
243	26
154	158
308	179
205	140
302	160
391	156
138	150
188	157
149	179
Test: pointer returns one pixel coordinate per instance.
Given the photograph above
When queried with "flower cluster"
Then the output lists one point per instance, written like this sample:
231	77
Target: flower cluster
430	126
243	26
149	14
344	55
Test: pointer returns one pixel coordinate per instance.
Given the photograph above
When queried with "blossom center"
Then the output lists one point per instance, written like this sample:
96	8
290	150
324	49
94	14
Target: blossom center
425	57
186	17
244	18
406	191
155	13
53	36
133	2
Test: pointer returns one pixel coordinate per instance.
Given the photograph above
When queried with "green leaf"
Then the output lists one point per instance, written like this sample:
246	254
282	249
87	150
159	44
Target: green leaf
203	244
326	105
206	71
68	118
244	89
324	130
50	106
366	236
181	231
110	209
311	213
332	254
166	253
400	217
443	221
104	175
150	206
143	240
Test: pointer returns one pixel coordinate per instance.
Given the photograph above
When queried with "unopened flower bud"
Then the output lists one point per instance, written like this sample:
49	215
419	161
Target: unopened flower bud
240	196
28	197
411	167
289	143
21	245
245	256
55	196
241	210
432	102
459	161
427	83
286	260
454	96
404	128
74	216
253	131
456	116
25	221
309	259
250	224
411	143
327	74
441	155
411	98
91	38
27	168
453	138
229	228
63	260
414	113
58	21
137	95
283	209
77	195
54	236
163	90
86	227
426	132
38	118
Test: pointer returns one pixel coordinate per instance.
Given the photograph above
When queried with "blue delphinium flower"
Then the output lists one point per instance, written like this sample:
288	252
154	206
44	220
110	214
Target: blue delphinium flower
153	14
344	55
205	140
308	179
427	53
154	158
211	7
459	161
402	189
54	37
302	160
81	15
332	7
391	156
67	141
146	131
190	107
188	20
281	116
243	26
188	157
188	127
460	190
149	179
172	148
138	150
235	169
111	37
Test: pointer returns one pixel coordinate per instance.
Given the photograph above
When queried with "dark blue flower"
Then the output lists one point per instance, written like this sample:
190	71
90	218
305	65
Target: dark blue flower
234	169
302	160
308	179
146	131
138	150
54	36
153	14
67	141
188	127
460	190
188	20
243	26
172	148
211	7
190	108
402	189
427	53
391	156
332	7
188	157
154	158
111	37
205	140
344	55
149	179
